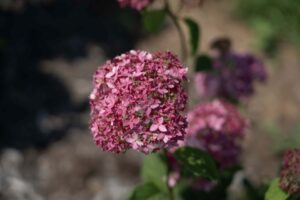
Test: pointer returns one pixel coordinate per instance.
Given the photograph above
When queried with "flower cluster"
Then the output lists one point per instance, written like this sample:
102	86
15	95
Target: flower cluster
138	101
233	76
290	173
135	4
217	128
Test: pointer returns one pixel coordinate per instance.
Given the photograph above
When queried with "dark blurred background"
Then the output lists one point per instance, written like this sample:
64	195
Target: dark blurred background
33	31
49	50
45	50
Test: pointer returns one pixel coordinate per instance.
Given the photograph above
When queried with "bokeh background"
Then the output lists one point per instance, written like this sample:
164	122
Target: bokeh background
49	50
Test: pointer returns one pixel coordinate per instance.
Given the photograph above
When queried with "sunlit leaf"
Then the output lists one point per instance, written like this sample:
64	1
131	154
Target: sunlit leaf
154	170
274	192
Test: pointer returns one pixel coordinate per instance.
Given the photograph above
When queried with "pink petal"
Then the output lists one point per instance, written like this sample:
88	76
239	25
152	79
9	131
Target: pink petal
154	106
136	74
110	85
149	56
93	96
166	139
160	120
131	125
140	67
110	74
130	140
135	146
148	111
153	127
133	52
162	128
162	91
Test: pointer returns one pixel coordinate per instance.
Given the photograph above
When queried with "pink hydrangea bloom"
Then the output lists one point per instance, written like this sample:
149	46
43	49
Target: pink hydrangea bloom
290	173
138	102
217	128
135	4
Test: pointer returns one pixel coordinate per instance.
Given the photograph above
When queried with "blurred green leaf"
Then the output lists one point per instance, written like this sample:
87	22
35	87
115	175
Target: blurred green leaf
274	192
154	170
282	140
203	63
266	37
198	162
147	191
252	191
160	196
278	15
194	32
153	19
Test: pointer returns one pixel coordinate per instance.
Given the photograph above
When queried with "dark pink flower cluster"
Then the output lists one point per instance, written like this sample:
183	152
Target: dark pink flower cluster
217	128
290	173
138	102
233	76
135	4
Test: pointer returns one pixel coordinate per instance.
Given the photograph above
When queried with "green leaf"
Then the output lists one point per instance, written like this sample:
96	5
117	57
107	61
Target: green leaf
160	196
154	170
197	162
203	63
153	19
274	192
147	191
194	32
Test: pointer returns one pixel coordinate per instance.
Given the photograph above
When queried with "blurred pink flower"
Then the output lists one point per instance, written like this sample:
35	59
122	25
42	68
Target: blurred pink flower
206	85
290	173
138	101
135	4
217	128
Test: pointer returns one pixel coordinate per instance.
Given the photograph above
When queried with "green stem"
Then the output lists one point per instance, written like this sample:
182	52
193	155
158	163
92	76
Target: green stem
170	189
175	20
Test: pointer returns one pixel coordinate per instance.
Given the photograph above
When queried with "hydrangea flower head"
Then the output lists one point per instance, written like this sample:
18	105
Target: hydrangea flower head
217	128
290	173
135	4
138	101
233	78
